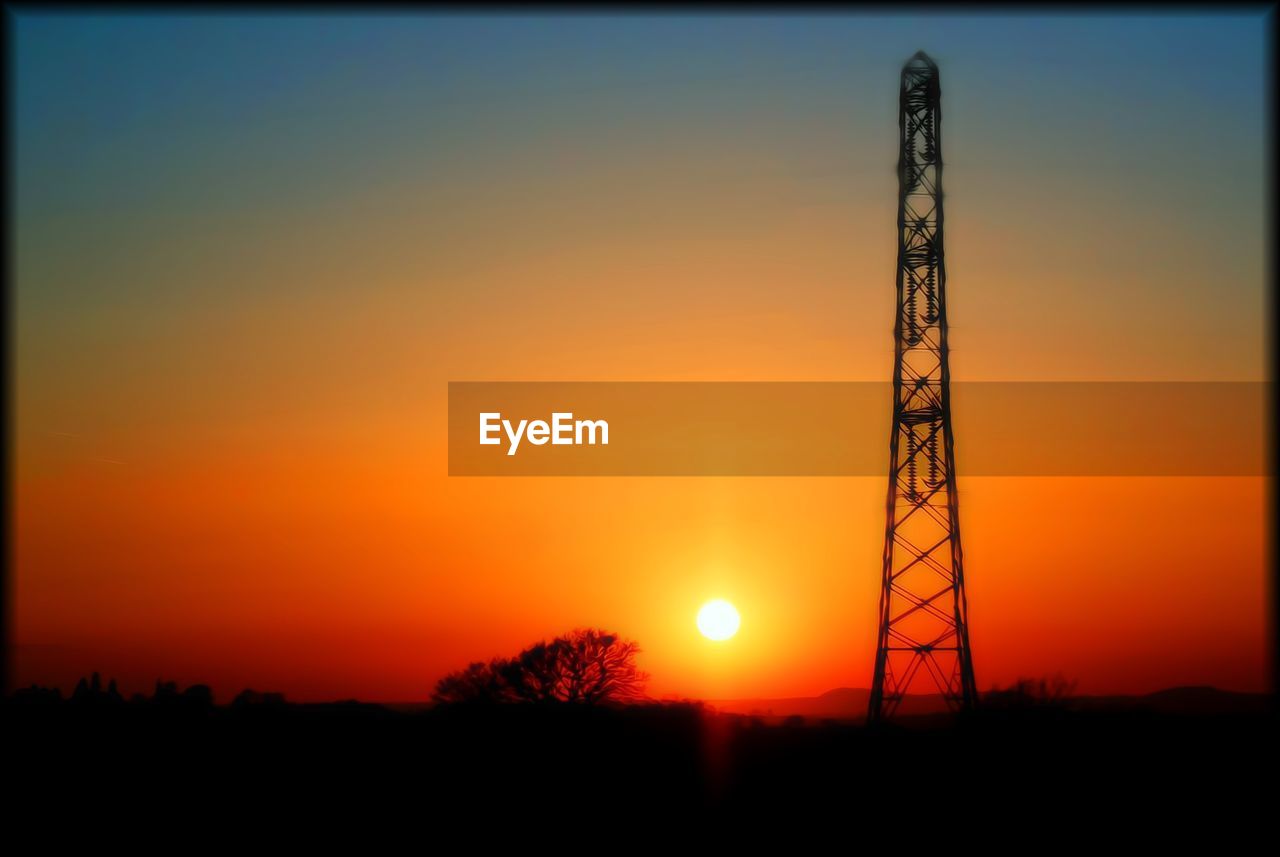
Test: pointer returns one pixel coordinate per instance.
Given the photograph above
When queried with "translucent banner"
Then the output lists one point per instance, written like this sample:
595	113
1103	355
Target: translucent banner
842	428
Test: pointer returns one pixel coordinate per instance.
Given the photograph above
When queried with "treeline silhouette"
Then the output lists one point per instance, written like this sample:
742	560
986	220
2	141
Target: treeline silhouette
561	732
90	693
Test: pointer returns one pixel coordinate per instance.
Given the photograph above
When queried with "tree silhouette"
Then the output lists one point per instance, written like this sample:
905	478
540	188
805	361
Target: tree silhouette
586	666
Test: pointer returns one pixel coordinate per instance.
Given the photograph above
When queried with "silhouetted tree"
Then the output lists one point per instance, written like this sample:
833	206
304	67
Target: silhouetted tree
586	666
596	666
479	682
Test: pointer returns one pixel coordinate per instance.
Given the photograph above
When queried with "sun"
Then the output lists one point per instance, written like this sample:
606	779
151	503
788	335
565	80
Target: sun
718	620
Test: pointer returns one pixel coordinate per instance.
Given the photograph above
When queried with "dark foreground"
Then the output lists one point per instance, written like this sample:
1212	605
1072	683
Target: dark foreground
634	770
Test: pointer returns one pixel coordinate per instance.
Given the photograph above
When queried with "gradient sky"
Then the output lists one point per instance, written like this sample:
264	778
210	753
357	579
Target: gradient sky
252	251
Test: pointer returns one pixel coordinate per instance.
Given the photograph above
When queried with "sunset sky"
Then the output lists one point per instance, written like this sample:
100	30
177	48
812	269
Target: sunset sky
252	252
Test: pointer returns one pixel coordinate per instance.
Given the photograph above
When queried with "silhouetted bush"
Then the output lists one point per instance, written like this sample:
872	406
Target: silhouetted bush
585	666
166	691
36	695
1052	692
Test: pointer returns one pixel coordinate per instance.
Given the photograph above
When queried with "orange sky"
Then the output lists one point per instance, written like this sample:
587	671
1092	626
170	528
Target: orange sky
232	361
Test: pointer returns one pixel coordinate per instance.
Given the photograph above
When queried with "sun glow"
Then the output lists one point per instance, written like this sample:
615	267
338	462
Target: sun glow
718	620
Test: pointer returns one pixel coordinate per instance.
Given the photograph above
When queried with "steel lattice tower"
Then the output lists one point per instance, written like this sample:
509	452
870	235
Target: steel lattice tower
922	601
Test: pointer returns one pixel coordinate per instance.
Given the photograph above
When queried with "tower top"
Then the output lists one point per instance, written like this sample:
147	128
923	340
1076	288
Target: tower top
919	61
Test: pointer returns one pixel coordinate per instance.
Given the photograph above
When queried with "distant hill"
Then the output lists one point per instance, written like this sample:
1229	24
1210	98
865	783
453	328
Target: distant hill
1184	700
850	703
842	703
